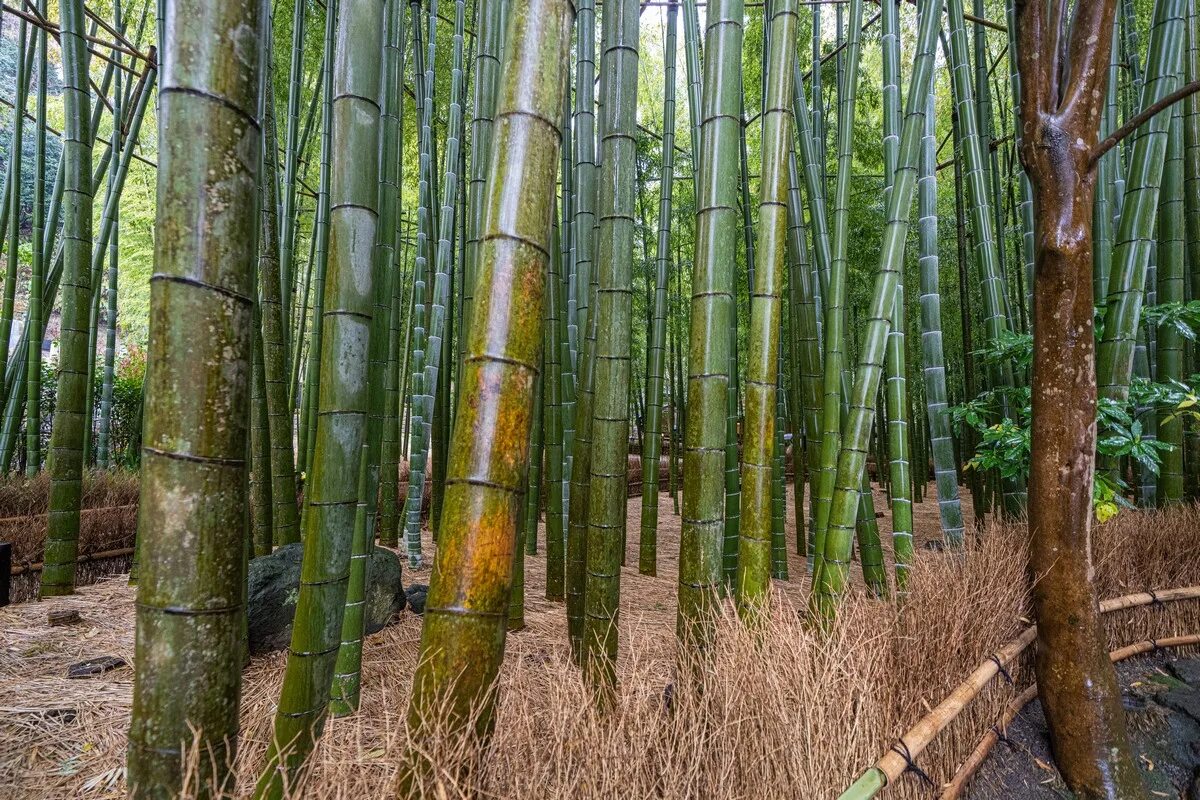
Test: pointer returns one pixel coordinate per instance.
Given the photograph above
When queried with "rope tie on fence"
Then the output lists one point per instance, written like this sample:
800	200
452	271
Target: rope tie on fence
1000	666
901	749
1155	600
1001	736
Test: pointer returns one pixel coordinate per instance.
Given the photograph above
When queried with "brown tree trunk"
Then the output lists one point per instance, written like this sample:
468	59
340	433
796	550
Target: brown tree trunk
1076	680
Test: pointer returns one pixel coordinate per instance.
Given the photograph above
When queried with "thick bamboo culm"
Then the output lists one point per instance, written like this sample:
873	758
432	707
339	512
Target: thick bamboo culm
908	747
955	788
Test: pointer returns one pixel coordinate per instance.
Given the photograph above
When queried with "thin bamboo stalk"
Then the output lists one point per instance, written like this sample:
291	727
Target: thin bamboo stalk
933	359
332	495
655	349
1172	253
281	466
585	220
393	167
110	316
553	384
896	390
291	152
37	279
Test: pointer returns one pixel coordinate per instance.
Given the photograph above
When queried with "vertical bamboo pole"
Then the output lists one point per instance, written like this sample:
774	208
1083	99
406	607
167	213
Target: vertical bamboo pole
192	520
462	641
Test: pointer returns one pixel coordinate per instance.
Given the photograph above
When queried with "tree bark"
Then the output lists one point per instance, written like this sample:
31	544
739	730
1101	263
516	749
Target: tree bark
1076	680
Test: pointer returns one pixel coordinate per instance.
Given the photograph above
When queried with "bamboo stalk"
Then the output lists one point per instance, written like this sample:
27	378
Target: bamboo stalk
585	219
896	389
607	489
933	358
656	344
110	317
762	434
332	495
700	575
66	438
462	645
192	525
35	312
1171	258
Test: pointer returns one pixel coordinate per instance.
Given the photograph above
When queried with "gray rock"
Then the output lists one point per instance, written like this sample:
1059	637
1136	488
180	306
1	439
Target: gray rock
275	586
1185	701
1186	670
416	597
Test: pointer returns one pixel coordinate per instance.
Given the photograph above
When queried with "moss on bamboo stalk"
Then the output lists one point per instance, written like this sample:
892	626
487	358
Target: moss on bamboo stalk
754	563
332	495
192	521
462	642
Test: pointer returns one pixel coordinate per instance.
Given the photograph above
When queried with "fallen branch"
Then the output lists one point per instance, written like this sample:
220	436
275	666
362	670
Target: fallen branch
1113	139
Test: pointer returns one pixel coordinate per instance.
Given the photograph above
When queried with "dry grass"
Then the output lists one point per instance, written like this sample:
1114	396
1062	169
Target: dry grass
787	711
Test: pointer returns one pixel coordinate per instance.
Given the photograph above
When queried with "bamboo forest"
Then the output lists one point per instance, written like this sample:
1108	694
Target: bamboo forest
700	399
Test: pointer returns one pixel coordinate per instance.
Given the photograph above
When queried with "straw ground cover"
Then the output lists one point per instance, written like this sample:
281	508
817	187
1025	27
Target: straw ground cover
807	710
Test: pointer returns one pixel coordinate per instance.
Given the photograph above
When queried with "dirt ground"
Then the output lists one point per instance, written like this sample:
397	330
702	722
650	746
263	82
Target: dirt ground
648	603
1162	707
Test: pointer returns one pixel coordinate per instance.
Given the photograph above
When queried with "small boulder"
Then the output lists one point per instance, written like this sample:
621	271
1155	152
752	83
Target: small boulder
275	586
1184	701
416	594
1186	670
